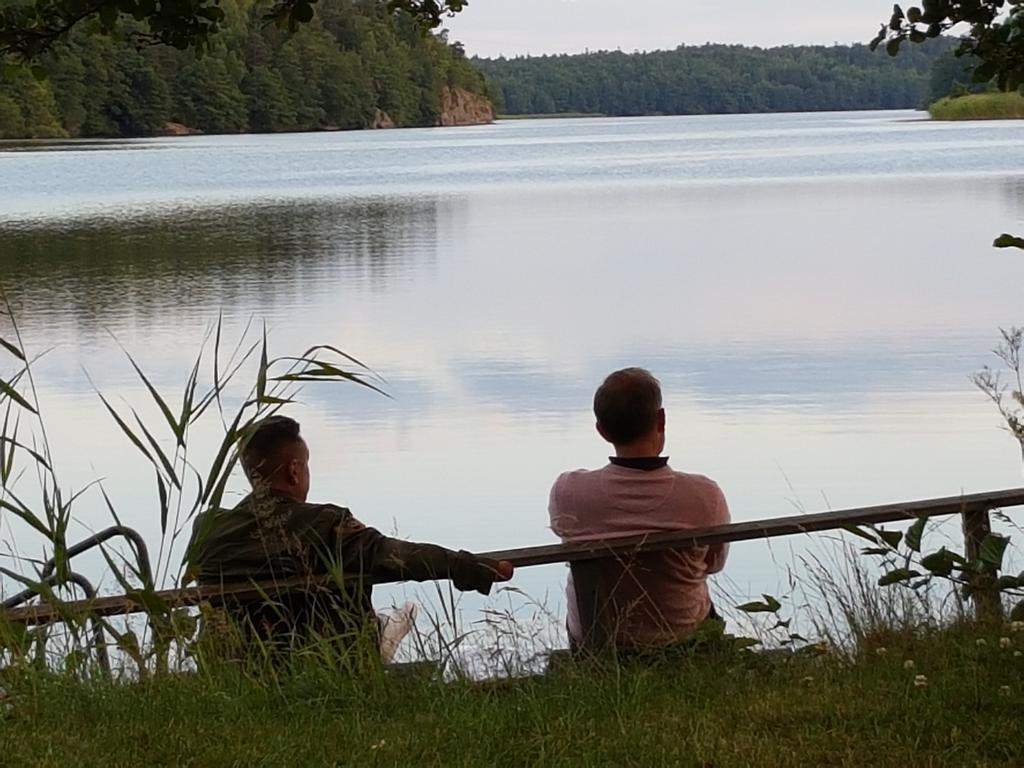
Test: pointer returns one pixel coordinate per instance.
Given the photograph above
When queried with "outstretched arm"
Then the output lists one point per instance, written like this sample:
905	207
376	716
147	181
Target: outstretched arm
382	557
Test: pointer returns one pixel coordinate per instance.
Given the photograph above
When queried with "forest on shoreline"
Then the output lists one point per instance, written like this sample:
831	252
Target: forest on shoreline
355	65
724	79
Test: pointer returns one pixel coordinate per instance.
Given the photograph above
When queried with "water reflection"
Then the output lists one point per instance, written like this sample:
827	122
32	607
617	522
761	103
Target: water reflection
145	269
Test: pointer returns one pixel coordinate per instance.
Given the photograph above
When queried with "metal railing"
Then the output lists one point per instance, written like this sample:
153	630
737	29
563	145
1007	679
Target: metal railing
973	508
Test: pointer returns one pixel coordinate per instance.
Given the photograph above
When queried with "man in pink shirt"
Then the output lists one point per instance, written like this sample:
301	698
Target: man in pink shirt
661	597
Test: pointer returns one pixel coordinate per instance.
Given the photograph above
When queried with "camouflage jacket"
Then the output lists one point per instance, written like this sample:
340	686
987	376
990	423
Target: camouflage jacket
269	536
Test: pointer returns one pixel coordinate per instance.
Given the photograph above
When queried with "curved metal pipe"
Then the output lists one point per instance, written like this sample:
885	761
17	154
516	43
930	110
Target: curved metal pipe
130	534
98	637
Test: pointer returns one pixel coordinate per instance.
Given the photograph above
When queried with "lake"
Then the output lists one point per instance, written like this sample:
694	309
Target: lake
813	291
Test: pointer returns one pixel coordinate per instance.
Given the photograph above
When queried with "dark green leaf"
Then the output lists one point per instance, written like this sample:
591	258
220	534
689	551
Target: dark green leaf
164	507
12	349
755	607
991	550
896	576
892	538
261	376
884	551
857	531
914	534
1008	241
6	390
1007	582
939	563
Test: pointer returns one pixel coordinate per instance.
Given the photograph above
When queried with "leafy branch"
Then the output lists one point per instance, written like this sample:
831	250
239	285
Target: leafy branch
28	30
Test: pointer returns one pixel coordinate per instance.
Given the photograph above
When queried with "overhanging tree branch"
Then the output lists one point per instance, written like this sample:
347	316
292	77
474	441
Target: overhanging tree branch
28	30
993	33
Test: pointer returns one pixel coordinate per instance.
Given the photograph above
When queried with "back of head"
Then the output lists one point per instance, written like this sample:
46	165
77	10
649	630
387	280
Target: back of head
626	405
268	447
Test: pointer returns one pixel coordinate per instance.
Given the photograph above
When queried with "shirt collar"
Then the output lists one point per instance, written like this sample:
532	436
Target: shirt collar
644	463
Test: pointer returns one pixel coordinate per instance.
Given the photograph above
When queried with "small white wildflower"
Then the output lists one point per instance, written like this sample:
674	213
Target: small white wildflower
1017	626
1005	642
920	681
1004	690
807	680
908	664
1017	654
980	642
881	650
380	744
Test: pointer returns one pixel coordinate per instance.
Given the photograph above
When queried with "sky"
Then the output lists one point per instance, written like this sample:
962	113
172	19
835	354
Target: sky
515	27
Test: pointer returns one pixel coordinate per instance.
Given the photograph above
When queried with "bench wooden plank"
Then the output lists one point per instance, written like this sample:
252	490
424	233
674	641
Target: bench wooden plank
556	553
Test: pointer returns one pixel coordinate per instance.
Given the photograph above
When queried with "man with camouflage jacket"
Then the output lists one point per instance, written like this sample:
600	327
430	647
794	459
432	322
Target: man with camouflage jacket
274	534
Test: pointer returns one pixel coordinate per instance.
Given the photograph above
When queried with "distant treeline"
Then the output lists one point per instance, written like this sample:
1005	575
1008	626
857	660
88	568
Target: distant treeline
718	79
354	59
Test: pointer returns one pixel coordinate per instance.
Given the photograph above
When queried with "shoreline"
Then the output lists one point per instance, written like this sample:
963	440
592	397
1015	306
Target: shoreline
978	106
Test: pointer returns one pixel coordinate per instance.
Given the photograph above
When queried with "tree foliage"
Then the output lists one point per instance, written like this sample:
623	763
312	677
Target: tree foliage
713	79
337	71
993	34
29	29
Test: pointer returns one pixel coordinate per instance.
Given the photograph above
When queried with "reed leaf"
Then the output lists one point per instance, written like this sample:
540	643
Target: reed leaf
188	397
327	347
24	514
36	456
6	390
13	349
218	466
261	376
158	451
164	505
178	430
126	429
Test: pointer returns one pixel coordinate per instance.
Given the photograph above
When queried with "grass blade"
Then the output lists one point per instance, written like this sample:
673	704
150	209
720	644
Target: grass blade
164	460
126	429
38	457
177	429
261	377
26	515
14	350
6	390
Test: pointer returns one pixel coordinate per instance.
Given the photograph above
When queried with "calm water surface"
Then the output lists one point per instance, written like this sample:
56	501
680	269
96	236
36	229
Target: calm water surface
813	291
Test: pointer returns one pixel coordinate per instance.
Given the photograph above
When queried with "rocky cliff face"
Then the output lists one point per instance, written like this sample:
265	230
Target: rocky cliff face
461	107
382	119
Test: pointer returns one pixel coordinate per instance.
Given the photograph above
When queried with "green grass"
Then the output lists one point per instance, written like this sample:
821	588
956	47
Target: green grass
979	106
734	710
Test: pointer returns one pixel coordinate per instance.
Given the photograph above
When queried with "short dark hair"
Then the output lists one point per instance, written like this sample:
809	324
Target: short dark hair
262	446
626	404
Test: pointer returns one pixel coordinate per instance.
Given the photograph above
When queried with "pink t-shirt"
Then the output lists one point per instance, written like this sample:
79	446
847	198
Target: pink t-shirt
669	588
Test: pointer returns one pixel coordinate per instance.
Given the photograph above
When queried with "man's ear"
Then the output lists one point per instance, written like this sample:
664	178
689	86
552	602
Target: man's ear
601	432
661	420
